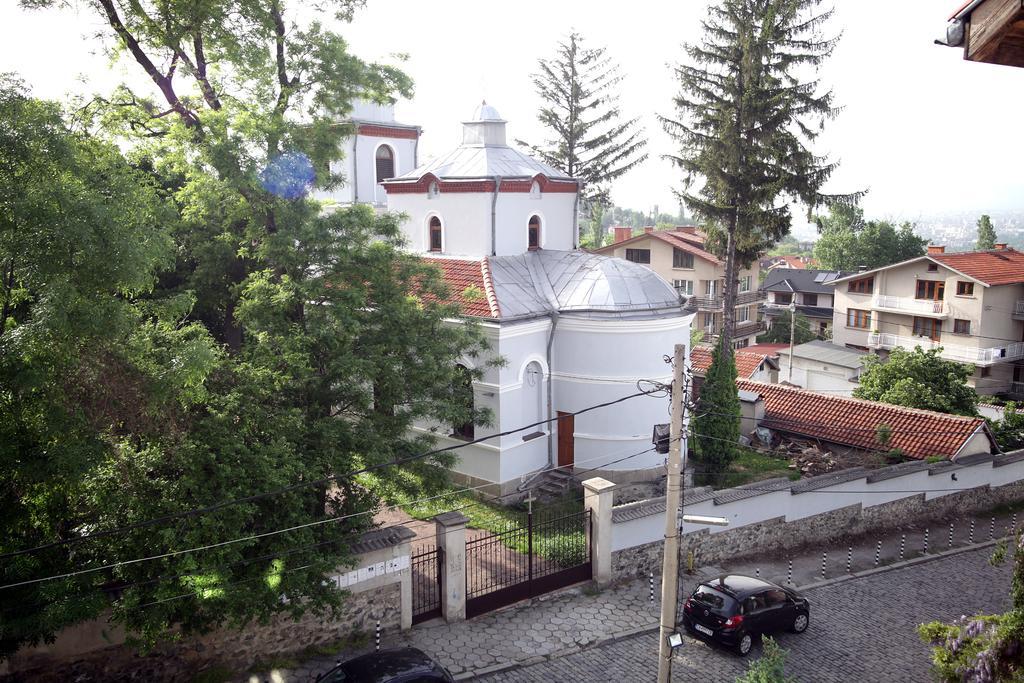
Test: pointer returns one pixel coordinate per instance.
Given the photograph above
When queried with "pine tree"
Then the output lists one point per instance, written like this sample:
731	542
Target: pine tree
590	141
986	234
716	428
744	119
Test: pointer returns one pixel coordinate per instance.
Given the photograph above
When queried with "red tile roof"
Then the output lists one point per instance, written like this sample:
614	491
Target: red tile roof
747	364
853	422
687	239
993	267
767	349
469	275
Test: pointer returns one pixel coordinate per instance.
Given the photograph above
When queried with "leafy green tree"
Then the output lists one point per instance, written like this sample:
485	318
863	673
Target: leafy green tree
986	234
769	667
779	332
745	118
716	426
848	242
1009	431
919	379
589	138
291	345
983	647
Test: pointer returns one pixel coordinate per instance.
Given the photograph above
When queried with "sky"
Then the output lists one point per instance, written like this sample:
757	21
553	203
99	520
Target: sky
923	130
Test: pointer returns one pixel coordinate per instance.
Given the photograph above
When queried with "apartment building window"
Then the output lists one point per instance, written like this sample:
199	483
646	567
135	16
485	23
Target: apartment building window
638	255
684	287
745	283
864	285
933	267
743	314
927	327
711	288
961	326
964	288
858	318
984	371
741	344
810	299
681	259
783	298
933	290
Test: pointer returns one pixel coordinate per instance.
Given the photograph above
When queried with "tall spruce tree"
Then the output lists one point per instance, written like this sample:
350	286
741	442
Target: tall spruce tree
986	234
716	427
589	139
745	115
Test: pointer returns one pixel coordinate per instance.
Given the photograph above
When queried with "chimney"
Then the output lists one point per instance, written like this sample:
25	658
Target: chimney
936	249
1000	246
648	230
622	234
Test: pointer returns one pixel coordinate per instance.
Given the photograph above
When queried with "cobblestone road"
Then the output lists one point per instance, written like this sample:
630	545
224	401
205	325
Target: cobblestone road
862	629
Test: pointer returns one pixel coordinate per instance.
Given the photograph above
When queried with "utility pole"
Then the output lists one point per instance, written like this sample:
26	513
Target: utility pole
673	499
792	337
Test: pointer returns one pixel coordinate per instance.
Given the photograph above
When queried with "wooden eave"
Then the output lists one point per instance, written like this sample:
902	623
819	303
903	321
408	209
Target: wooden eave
995	33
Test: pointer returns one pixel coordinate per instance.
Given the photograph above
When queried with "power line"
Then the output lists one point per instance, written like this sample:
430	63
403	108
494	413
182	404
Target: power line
253	537
293	487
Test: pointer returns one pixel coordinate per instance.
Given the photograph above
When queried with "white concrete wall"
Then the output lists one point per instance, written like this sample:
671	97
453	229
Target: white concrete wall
514	209
817	376
357	163
791	506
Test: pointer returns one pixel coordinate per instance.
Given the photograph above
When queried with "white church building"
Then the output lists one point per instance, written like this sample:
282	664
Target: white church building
574	329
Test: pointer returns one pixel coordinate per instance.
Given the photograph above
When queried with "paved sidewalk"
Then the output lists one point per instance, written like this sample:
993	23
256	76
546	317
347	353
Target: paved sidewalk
575	619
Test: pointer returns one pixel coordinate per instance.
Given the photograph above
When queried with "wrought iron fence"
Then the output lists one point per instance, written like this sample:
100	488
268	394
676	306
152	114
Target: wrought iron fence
426	583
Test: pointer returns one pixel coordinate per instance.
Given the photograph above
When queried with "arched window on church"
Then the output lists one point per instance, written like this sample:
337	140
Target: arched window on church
533	233
533	399
436	244
464	392
385	163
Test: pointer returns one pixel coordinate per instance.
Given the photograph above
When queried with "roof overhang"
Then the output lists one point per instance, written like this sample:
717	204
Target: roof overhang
993	31
926	257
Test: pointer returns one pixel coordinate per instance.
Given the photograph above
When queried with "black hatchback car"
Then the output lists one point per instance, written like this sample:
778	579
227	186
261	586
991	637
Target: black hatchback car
400	665
733	610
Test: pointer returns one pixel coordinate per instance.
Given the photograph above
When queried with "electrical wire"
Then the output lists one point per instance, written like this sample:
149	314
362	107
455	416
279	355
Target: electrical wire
293	487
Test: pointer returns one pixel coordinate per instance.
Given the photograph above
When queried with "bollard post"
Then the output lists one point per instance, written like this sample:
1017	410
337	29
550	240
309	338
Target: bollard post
1014	524
903	545
824	560
378	635
925	541
849	559
789	573
970	536
878	552
992	529
757	573
951	534
651	578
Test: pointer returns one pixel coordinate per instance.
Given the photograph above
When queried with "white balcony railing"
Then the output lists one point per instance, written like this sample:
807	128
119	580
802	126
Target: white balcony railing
1017	387
962	354
902	304
1018	309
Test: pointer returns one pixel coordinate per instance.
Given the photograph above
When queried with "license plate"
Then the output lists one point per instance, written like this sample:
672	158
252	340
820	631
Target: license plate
704	629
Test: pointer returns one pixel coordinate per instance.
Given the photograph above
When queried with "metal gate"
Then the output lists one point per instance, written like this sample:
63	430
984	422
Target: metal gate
526	560
426	583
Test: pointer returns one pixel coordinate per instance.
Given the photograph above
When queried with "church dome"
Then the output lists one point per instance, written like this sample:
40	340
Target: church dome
485	112
538	282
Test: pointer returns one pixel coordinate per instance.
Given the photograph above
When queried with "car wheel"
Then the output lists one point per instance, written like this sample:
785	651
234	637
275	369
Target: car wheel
744	644
800	622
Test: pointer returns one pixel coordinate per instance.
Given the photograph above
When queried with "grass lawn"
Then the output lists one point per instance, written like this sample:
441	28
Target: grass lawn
751	466
562	542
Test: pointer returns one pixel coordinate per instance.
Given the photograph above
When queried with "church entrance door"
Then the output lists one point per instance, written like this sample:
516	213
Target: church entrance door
566	439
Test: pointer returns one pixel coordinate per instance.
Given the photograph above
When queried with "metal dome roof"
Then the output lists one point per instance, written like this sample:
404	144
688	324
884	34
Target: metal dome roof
485	112
539	282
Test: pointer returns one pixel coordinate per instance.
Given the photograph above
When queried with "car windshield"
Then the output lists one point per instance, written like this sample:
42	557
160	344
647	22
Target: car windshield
709	596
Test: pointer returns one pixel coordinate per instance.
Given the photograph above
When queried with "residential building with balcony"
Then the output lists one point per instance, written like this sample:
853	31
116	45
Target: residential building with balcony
809	290
969	304
680	257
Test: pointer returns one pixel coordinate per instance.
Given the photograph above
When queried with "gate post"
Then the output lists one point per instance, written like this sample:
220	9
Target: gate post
451	538
598	500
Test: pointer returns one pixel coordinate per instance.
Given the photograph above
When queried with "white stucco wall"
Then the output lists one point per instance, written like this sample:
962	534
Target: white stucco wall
357	163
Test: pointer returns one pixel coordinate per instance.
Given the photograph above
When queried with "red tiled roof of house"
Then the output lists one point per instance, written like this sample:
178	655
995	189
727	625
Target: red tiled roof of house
767	349
993	266
854	422
463	277
793	261
747	364
688	239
